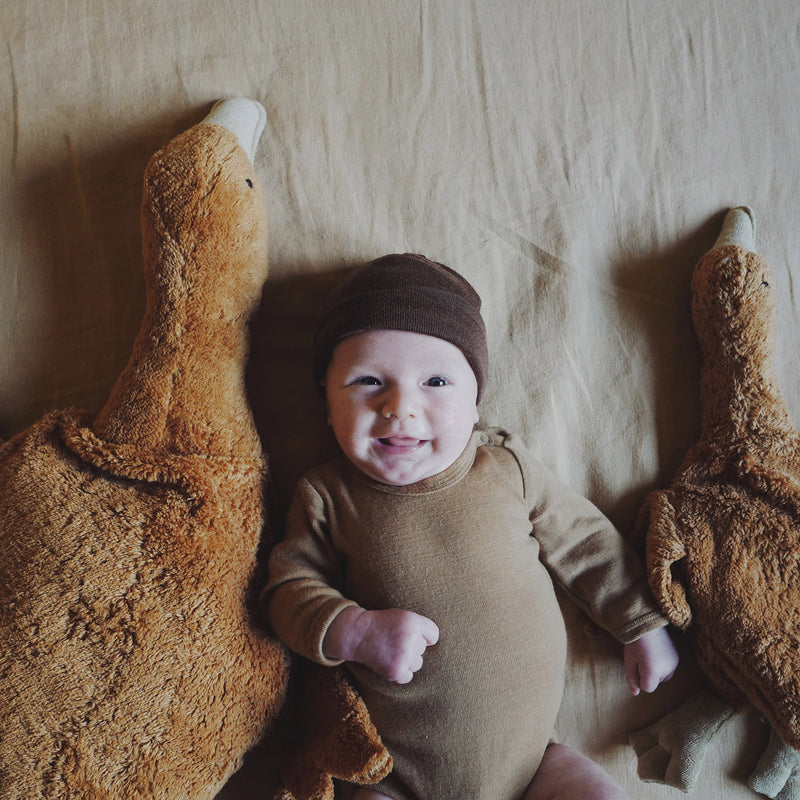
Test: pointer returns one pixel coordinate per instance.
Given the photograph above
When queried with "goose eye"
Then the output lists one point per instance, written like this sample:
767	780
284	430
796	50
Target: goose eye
249	183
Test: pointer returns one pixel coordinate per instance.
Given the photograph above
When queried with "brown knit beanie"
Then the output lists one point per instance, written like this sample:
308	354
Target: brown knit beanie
405	293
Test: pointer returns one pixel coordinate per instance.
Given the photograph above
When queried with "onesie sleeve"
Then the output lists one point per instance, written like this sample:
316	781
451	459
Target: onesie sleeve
586	554
300	599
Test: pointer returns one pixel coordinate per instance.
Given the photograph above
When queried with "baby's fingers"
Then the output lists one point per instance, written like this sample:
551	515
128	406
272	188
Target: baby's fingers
641	679
404	674
423	633
632	677
429	630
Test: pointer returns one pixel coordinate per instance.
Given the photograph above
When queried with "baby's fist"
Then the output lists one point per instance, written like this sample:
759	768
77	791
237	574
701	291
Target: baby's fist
391	642
650	660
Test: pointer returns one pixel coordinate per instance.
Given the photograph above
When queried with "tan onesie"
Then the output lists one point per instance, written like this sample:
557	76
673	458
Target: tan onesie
467	548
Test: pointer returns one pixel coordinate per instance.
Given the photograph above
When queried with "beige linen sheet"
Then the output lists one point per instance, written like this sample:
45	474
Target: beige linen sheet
573	158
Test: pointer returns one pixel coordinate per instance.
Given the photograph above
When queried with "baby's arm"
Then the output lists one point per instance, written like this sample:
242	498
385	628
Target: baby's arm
650	660
595	564
390	642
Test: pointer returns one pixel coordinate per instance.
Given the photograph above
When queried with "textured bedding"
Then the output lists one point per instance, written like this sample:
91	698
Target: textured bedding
572	159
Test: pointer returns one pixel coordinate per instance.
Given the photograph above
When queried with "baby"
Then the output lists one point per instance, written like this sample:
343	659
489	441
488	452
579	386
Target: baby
430	540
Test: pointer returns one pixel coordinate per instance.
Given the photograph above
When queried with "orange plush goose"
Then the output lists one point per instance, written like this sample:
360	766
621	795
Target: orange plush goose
130	665
723	541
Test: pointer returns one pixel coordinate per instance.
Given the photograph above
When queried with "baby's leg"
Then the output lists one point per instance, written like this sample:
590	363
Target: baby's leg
565	774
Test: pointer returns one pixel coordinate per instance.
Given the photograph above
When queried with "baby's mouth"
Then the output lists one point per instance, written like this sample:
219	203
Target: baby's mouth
401	442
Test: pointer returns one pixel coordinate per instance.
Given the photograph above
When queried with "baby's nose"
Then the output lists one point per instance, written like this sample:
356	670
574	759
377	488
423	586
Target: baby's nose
398	404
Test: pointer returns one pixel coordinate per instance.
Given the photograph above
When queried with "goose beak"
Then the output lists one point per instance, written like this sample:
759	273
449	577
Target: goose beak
738	227
246	118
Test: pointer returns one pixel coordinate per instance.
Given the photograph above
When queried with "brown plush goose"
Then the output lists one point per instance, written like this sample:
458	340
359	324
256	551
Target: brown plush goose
723	541
130	664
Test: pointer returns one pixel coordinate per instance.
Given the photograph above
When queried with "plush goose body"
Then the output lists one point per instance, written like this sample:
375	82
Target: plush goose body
724	539
131	665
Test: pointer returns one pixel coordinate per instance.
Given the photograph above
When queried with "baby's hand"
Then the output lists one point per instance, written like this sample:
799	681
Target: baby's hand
390	642
650	660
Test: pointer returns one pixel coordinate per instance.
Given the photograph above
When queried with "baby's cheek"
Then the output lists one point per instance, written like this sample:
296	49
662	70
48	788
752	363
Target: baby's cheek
462	421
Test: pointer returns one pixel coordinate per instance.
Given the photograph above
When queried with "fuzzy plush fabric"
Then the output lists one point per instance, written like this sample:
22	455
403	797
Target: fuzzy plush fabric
130	664
723	541
333	736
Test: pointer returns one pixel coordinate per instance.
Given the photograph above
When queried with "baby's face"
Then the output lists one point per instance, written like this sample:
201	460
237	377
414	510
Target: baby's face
402	405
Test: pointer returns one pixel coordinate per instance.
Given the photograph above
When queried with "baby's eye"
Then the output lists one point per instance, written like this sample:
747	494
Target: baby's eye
436	380
365	380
